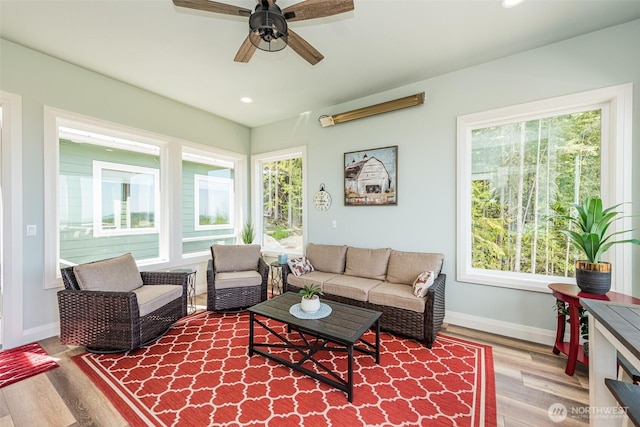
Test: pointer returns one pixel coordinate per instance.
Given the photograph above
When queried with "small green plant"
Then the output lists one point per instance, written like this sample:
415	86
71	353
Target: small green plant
309	291
248	233
592	223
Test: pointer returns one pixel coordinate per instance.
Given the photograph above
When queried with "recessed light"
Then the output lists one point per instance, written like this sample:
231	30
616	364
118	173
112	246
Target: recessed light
246	100
511	3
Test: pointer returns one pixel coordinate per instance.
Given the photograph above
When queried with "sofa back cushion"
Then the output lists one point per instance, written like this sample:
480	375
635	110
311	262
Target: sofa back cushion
404	267
235	257
327	258
119	274
367	263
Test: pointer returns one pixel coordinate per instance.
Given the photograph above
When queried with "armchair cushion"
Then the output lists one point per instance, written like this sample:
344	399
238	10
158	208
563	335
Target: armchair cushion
118	274
235	257
238	279
152	297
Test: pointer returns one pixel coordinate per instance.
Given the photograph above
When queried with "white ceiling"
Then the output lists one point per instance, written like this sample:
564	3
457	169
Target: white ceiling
188	55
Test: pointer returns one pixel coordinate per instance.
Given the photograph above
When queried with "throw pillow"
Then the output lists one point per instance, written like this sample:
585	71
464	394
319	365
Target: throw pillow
300	266
422	283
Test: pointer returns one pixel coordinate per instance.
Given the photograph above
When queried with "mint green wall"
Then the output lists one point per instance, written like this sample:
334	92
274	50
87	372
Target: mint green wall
42	80
425	218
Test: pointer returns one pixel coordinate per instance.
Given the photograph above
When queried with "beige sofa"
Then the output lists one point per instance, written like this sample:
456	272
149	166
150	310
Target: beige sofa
378	279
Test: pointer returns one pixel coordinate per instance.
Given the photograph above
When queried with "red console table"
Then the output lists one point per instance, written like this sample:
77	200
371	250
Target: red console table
571	294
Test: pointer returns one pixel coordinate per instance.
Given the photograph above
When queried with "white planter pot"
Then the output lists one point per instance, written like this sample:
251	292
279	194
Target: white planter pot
310	305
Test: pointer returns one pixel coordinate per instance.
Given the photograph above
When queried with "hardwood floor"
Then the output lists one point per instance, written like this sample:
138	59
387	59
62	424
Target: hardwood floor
529	379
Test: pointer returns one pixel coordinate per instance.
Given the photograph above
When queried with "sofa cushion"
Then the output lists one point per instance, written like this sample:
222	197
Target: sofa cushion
235	257
316	278
404	267
119	274
300	266
396	295
237	279
328	258
152	297
353	287
367	263
422	283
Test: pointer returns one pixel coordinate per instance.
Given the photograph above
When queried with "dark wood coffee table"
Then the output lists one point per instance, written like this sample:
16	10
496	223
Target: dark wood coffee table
339	332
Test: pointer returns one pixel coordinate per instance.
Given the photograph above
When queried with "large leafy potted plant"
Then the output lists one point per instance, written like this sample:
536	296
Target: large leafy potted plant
589	234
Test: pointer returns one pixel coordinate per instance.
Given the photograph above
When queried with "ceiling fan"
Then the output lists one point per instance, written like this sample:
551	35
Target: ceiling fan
268	29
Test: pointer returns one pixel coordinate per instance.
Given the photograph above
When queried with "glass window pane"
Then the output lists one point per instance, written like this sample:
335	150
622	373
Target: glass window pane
522	175
214	201
282	205
208	212
107	199
128	198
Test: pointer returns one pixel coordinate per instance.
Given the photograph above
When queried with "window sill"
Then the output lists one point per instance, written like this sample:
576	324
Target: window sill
519	281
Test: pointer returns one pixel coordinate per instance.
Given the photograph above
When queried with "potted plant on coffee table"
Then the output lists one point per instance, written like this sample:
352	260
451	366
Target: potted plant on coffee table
310	298
589	234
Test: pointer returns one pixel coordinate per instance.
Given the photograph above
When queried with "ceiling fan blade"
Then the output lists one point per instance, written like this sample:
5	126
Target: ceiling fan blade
311	9
212	6
247	49
303	48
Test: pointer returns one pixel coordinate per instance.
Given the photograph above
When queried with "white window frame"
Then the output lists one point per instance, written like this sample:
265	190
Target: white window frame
616	173
11	208
215	157
170	150
257	193
197	180
98	167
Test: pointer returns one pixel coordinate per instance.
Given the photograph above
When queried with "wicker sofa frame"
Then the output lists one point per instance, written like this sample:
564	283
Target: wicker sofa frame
109	322
235	299
422	326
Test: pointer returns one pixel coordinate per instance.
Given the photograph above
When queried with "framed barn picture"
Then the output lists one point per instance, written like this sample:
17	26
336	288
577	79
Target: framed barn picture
371	177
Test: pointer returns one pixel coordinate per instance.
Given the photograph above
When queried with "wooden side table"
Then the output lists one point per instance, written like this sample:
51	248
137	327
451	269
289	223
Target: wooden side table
570	294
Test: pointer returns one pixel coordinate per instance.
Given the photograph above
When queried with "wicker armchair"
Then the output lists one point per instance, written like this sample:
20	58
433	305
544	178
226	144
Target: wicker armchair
110	321
236	277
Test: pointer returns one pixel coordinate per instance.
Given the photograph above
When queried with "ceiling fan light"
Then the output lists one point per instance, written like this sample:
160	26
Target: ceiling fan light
270	29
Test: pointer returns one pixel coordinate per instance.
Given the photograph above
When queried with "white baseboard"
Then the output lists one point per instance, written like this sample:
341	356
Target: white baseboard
40	332
512	330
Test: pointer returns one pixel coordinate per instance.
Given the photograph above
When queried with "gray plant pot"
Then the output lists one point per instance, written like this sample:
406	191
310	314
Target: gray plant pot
591	280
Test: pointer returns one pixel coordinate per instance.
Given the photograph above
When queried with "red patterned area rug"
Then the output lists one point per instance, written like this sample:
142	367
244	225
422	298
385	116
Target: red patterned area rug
200	373
23	362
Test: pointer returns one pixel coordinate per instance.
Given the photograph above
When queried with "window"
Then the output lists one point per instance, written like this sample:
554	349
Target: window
108	197
210	209
213	203
278	200
519	167
111	190
126	199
